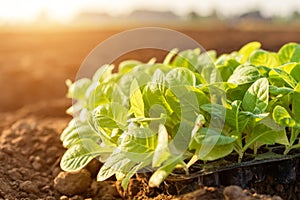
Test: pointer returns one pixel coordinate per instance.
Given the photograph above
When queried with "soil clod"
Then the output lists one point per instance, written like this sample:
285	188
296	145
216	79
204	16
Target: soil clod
29	187
234	192
73	183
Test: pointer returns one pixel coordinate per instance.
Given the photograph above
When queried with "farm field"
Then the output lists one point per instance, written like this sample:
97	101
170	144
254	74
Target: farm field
33	68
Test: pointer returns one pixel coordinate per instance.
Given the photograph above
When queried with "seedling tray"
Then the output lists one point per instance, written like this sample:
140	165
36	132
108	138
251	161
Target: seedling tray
283	168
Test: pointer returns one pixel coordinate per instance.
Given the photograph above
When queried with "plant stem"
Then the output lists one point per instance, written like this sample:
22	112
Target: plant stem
287	150
255	148
241	154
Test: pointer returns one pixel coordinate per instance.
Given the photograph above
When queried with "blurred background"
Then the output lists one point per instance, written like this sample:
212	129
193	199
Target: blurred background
42	43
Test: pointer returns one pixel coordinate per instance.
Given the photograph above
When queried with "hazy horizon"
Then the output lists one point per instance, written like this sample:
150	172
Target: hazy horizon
15	11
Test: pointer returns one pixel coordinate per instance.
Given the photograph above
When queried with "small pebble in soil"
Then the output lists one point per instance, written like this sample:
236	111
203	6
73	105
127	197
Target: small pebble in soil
72	183
50	198
234	192
77	197
211	189
63	198
29	187
46	188
36	164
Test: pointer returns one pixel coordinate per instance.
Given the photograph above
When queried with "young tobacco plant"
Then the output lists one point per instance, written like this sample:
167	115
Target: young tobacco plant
157	117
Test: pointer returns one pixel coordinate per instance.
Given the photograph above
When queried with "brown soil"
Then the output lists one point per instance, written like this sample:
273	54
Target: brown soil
33	67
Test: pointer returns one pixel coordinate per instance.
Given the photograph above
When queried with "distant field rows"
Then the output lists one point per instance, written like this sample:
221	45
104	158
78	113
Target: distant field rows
34	65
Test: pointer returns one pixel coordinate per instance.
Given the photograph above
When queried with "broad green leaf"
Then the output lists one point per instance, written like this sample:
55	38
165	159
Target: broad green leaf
79	133
139	144
150	70
137	74
247	49
292	69
235	118
296	102
187	59
190	99
215	110
282	138
161	153
174	103
289	53
217	152
205	65
119	97
224	57
279	90
267	135
238	92
257	96
99	94
207	142
294	134
256	116
282	117
102	121
127	65
227	69
136	100
207	57
103	74
180	76
116	163
221	59
270	123
119	114
80	154
277	73
212	137
153	94
71	126
244	74
159	78
103	117
263	58
78	89
211	74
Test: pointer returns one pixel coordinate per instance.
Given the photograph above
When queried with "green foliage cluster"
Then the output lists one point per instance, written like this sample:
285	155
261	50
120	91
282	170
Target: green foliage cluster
162	116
